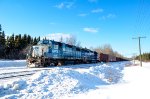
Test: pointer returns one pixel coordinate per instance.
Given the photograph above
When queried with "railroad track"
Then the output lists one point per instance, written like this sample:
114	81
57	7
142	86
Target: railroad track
19	74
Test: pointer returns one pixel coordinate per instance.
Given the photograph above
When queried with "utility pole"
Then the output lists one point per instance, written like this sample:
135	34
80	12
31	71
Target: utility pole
139	38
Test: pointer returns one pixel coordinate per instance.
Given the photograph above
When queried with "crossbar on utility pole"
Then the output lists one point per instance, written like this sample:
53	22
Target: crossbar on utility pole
139	38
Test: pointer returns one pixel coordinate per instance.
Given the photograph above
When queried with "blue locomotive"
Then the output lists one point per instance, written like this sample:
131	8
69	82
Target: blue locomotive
50	52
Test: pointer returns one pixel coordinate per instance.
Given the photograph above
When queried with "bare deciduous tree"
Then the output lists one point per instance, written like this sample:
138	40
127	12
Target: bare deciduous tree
78	44
107	49
61	39
72	40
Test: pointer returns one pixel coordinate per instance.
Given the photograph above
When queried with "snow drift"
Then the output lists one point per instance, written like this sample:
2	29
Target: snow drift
66	81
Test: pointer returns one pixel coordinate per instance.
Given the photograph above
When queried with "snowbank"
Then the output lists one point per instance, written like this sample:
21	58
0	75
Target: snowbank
134	85
62	82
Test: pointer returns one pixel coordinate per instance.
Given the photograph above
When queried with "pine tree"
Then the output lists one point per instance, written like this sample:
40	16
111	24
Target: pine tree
35	41
11	41
3	38
29	39
24	39
38	39
2	42
19	41
16	41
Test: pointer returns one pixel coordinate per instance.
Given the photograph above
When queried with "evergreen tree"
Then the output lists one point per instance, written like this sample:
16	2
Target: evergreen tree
16	41
15	46
29	39
38	39
7	48
24	40
3	38
11	42
35	41
2	42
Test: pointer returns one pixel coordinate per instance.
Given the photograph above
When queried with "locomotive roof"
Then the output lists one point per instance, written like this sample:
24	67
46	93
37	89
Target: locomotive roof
56	42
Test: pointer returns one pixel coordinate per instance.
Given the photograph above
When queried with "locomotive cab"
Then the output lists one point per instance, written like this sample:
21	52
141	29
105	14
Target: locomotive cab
36	53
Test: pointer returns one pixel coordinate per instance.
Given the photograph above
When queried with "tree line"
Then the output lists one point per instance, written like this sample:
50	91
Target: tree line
145	57
15	46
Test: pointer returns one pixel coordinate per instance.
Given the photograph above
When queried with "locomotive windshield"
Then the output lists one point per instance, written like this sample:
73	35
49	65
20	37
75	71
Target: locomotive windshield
33	52
44	42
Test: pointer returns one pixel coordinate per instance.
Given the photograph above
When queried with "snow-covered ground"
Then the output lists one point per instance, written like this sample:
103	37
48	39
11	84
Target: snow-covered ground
90	81
12	65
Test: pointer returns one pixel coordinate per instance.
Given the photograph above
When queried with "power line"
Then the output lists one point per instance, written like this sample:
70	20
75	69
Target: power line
139	38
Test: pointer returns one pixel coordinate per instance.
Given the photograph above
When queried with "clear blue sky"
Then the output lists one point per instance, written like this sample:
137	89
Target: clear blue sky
93	22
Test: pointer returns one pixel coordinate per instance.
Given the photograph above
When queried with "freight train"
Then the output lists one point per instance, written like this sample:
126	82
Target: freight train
53	53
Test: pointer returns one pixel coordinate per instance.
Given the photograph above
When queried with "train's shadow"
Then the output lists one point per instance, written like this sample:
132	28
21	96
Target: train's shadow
77	66
86	66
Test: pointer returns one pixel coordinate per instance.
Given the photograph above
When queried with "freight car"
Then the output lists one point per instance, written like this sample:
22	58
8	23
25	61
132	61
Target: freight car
50	52
110	58
103	57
